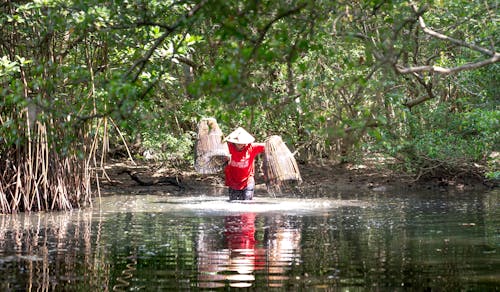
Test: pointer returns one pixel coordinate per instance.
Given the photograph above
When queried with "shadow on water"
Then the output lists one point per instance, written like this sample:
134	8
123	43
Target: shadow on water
425	241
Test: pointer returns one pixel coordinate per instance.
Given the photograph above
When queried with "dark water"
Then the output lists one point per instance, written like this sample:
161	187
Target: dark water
381	242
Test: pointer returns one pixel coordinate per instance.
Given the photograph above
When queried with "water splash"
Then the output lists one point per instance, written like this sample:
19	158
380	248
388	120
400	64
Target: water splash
217	204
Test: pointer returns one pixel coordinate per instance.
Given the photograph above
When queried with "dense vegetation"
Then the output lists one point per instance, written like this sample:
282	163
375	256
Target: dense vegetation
417	82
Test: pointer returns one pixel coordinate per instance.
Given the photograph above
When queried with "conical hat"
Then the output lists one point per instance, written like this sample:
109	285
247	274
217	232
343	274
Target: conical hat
240	136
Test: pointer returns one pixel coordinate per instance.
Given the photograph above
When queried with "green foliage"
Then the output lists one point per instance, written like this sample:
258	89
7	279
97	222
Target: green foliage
319	73
442	142
169	148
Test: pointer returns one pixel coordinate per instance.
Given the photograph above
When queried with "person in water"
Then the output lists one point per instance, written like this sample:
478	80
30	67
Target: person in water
240	169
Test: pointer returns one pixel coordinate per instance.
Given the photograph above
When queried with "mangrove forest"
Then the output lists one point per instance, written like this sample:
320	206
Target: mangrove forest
415	83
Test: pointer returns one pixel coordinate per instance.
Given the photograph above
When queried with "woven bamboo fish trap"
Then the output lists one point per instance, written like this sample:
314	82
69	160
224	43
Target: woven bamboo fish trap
280	168
211	152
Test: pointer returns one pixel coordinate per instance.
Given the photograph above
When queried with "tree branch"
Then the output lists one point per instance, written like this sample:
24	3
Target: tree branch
266	28
188	62
419	100
450	39
494	56
169	29
447	71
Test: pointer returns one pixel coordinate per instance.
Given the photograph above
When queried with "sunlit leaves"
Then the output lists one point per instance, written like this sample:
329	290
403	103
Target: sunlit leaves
8	67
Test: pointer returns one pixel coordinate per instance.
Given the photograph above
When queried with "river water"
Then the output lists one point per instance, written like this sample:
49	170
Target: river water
431	241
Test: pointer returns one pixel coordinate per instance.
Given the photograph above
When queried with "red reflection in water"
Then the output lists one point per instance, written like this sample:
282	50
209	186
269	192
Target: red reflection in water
235	264
243	257
240	231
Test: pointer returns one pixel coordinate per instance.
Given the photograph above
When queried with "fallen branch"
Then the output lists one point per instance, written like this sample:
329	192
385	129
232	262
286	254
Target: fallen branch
169	180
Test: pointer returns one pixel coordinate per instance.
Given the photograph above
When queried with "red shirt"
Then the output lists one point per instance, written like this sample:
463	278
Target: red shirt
240	169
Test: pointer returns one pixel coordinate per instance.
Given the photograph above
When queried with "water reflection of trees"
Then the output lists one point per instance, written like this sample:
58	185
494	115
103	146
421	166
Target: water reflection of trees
47	251
406	244
398	243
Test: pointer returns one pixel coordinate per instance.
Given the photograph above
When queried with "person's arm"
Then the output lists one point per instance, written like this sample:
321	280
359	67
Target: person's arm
259	147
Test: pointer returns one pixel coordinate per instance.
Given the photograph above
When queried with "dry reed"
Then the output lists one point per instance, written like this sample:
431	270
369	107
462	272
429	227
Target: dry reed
280	168
211	152
36	177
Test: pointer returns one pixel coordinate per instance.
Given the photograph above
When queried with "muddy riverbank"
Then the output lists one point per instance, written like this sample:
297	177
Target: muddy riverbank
321	178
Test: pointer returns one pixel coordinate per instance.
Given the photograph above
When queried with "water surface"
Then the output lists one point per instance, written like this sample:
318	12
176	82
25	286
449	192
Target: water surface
395	242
